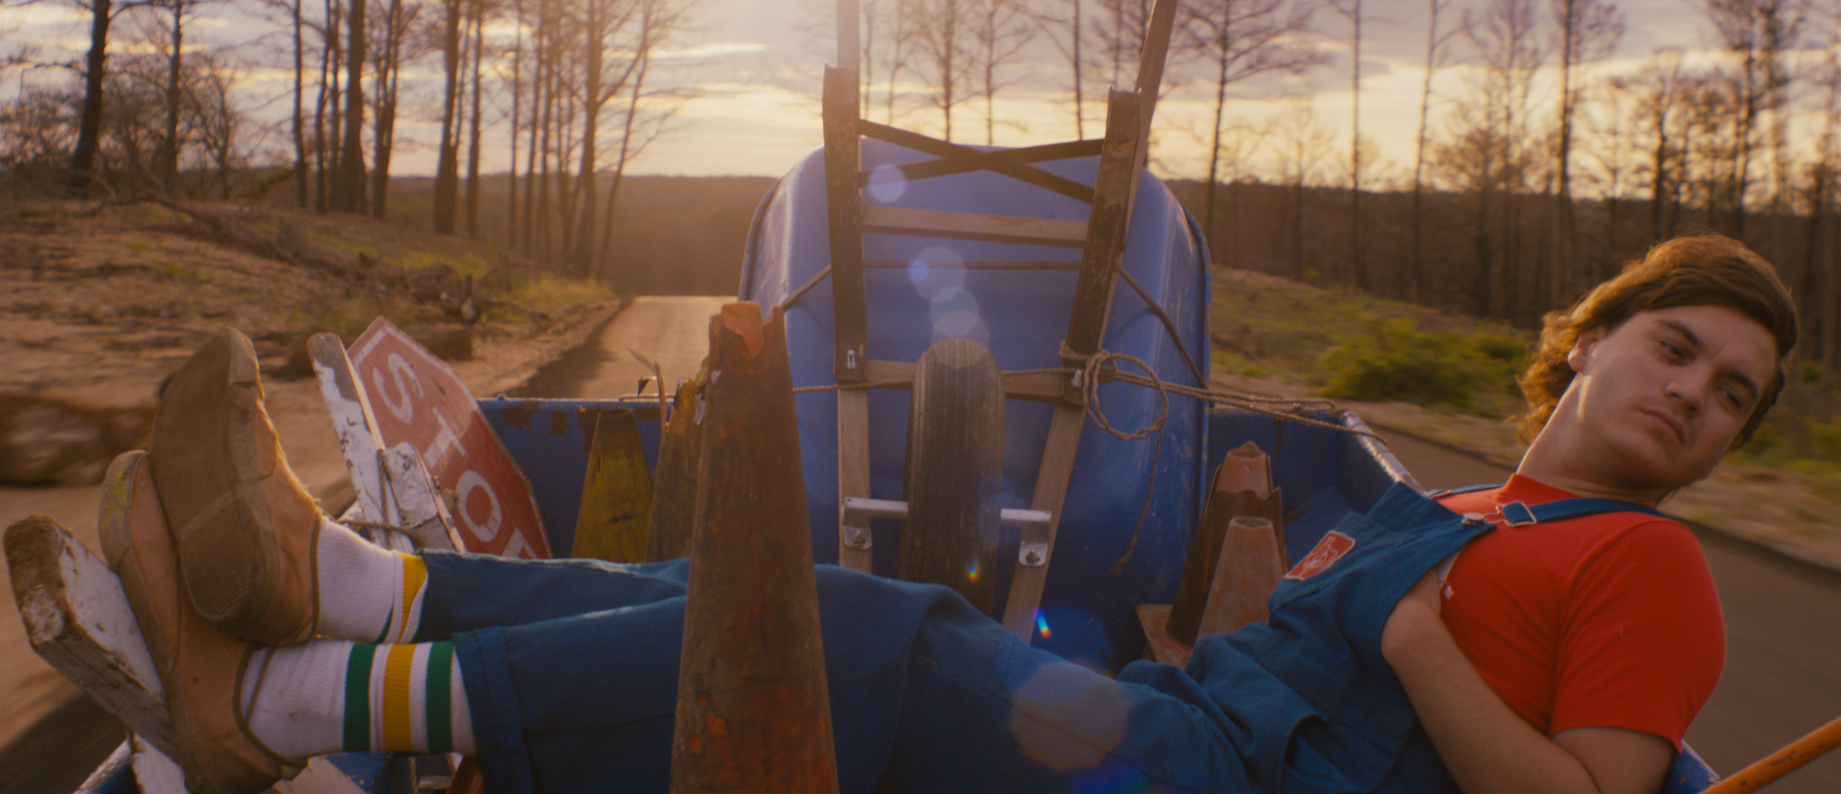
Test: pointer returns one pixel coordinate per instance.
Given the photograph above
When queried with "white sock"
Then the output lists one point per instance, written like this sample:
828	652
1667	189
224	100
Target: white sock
332	696
295	697
367	593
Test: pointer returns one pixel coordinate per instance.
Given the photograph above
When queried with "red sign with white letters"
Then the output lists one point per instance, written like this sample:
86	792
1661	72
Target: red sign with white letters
420	401
1328	550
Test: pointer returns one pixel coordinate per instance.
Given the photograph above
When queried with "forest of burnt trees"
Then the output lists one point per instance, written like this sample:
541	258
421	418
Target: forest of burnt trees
1539	165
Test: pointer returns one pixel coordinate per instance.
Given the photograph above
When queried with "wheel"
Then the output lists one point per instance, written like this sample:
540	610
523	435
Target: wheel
955	470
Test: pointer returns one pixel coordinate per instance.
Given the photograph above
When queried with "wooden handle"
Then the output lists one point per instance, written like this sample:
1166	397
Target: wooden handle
1782	762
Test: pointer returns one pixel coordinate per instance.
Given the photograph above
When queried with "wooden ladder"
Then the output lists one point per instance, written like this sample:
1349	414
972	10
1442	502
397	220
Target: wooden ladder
1101	239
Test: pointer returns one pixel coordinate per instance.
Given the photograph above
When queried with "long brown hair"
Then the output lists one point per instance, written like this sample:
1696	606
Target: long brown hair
1704	270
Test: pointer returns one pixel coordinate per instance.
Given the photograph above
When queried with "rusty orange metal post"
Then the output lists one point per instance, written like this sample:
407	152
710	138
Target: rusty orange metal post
1782	762
753	713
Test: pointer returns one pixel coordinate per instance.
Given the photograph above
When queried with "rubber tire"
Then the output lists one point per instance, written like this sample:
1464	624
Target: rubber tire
955	470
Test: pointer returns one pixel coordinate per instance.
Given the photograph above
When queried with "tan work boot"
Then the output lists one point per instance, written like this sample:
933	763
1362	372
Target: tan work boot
247	532
200	667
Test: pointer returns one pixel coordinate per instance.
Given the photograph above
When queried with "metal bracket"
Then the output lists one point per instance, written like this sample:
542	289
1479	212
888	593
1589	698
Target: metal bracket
856	512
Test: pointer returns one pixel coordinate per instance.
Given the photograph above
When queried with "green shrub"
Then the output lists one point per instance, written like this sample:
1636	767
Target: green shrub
1396	361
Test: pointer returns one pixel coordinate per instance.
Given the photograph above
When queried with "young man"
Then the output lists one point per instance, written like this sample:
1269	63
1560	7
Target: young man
1545	656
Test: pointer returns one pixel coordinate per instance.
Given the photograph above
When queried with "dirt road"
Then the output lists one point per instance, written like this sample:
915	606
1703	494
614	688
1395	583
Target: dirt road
672	332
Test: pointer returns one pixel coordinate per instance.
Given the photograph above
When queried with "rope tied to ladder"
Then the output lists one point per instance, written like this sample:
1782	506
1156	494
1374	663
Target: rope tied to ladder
1100	367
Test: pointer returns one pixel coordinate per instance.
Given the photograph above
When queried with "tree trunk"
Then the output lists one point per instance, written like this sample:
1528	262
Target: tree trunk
447	178
511	161
89	128
1357	263
584	219
1214	149
300	133
350	194
479	33
168	168
389	72
626	139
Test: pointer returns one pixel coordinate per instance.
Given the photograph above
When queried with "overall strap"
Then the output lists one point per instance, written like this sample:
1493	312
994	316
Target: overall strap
1440	493
1516	514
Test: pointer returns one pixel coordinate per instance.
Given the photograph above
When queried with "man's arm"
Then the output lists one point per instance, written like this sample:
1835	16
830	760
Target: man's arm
1488	747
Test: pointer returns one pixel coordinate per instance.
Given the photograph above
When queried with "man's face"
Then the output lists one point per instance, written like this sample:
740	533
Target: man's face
1659	399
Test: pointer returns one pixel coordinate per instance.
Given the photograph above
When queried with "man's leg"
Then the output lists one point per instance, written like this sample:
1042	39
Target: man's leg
926	695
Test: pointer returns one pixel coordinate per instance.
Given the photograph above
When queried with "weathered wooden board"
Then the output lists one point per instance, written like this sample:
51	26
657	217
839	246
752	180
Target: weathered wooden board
78	619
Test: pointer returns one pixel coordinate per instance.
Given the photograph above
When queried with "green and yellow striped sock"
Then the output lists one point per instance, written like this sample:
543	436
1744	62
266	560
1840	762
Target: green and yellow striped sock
367	593
405	698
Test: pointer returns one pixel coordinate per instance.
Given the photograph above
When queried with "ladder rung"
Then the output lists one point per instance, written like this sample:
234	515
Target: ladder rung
1034	386
970	226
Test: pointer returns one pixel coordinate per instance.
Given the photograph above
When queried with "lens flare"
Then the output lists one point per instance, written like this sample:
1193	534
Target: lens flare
1042	625
971	573
886	184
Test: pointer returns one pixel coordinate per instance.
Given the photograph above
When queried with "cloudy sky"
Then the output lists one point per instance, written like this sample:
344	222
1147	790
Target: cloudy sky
754	65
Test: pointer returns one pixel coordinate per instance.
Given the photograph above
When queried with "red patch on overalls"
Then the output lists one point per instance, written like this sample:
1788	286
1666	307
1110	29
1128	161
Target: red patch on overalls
1330	549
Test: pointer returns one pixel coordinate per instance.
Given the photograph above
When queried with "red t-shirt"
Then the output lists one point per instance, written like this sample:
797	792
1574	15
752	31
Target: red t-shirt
1605	621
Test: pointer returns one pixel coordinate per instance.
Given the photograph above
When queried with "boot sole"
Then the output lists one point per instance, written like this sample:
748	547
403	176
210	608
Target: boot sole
227	549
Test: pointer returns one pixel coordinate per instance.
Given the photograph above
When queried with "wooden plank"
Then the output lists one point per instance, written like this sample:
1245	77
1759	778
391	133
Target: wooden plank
1093	291
1013	163
1051	491
1006	166
1149	86
616	493
78	618
393	486
852	469
1035	386
354	423
844	207
1105	244
849	332
154	772
973	226
986	264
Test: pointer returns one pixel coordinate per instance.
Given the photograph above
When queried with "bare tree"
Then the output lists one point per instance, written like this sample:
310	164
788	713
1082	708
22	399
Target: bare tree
1243	39
348	182
660	21
943	45
95	74
473	121
166	168
391	32
1587	31
447	158
1303	144
1756	33
609	67
1066	32
1000	30
1660	96
1352	9
1437	48
1489	151
1818	288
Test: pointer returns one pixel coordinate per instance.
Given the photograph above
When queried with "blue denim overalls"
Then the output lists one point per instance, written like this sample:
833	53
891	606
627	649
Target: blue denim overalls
571	670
